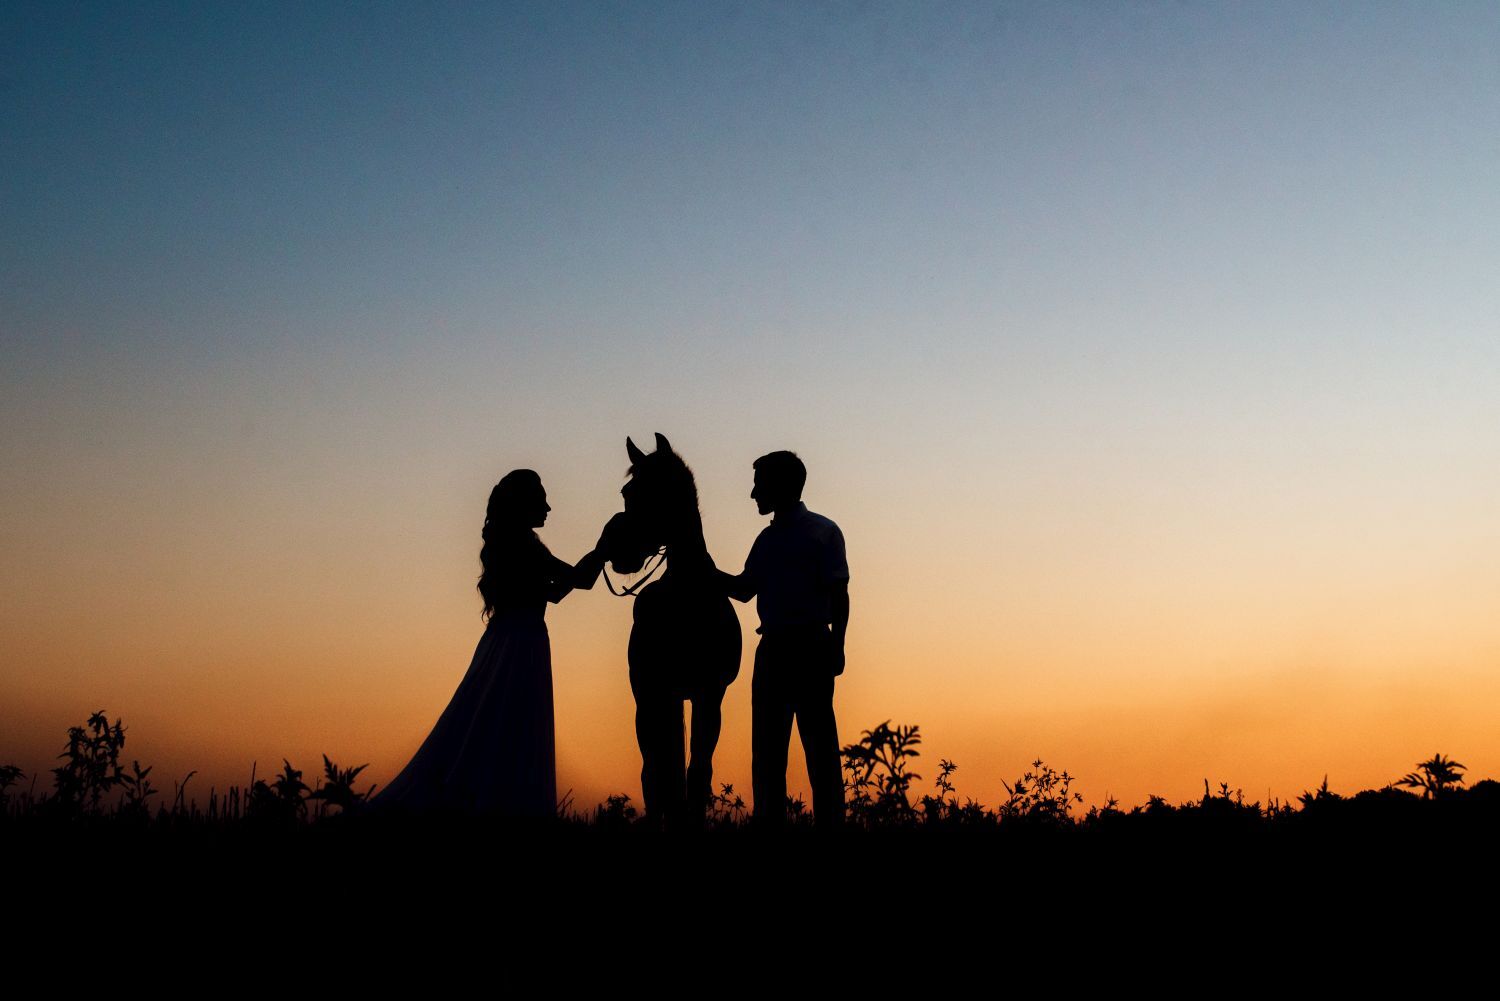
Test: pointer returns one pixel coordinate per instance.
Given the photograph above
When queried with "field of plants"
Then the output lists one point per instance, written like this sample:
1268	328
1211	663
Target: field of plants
99	848
93	791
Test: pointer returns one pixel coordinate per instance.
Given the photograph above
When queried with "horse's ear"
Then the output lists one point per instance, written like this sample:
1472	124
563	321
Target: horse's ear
636	455
662	445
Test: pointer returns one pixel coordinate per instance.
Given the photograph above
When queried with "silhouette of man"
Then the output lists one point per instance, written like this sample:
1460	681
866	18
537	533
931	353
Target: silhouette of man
799	575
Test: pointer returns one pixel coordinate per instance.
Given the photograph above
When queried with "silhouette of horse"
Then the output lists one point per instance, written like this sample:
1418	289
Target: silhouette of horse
685	640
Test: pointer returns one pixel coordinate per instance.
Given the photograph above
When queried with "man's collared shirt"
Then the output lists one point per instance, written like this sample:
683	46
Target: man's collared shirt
794	564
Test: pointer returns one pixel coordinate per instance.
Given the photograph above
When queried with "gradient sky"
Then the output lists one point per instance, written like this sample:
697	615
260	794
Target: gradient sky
1148	356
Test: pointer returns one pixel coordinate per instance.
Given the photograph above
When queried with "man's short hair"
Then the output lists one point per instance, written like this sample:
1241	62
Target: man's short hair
783	469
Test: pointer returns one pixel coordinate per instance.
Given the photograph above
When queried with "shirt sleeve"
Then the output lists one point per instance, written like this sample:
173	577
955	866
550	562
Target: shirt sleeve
835	561
751	560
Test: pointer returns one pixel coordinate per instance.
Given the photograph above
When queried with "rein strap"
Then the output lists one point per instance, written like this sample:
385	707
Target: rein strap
629	592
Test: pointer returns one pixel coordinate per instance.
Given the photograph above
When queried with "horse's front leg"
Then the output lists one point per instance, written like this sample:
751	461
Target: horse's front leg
658	732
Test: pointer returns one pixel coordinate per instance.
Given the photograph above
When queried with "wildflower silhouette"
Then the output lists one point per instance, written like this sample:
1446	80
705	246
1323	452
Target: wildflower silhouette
92	784
943	806
936	807
9	776
876	790
285	799
726	808
337	787
1042	795
1439	775
91	765
614	812
138	788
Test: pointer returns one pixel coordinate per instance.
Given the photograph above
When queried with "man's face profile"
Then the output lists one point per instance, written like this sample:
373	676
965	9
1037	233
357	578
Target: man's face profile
770	492
759	494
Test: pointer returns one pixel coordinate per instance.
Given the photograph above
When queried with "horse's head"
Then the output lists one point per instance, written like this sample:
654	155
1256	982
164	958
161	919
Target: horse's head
661	502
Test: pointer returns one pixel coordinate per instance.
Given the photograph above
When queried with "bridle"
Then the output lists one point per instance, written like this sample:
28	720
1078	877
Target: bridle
629	592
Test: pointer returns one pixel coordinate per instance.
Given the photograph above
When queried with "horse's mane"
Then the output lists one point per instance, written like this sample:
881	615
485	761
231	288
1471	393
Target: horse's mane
669	477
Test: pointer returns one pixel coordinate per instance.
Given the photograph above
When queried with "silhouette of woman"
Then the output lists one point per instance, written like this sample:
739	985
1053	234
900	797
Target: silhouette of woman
491	750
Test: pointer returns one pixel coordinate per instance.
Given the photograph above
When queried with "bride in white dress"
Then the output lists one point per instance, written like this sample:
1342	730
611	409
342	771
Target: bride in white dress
492	749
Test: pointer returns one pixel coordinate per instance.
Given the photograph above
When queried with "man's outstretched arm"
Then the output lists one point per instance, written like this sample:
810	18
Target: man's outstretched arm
740	587
839	608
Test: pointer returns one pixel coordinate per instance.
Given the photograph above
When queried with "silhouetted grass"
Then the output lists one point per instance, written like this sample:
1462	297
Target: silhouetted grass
230	865
93	794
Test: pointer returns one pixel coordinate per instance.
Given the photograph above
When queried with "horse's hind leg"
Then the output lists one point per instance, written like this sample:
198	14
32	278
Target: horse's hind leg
708	717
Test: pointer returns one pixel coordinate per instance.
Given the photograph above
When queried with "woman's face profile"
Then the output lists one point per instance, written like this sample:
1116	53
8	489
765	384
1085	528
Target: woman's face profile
537	507
528	502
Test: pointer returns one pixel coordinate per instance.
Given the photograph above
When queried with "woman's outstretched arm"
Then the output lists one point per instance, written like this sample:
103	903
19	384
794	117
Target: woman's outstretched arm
564	577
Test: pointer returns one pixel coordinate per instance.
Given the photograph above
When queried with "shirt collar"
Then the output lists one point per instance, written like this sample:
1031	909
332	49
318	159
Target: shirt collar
791	514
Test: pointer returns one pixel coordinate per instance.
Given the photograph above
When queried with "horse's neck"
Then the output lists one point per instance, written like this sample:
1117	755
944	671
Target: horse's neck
687	552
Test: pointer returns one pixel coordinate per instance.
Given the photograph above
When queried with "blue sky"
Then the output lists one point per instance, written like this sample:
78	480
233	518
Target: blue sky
1057	293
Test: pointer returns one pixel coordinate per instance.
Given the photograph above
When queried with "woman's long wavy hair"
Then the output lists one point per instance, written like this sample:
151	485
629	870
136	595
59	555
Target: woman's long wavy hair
506	532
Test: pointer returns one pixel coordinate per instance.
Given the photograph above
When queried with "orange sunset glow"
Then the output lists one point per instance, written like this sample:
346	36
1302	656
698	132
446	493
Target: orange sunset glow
1147	359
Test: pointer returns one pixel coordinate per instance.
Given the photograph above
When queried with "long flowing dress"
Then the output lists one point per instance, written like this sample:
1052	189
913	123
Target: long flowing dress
493	748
